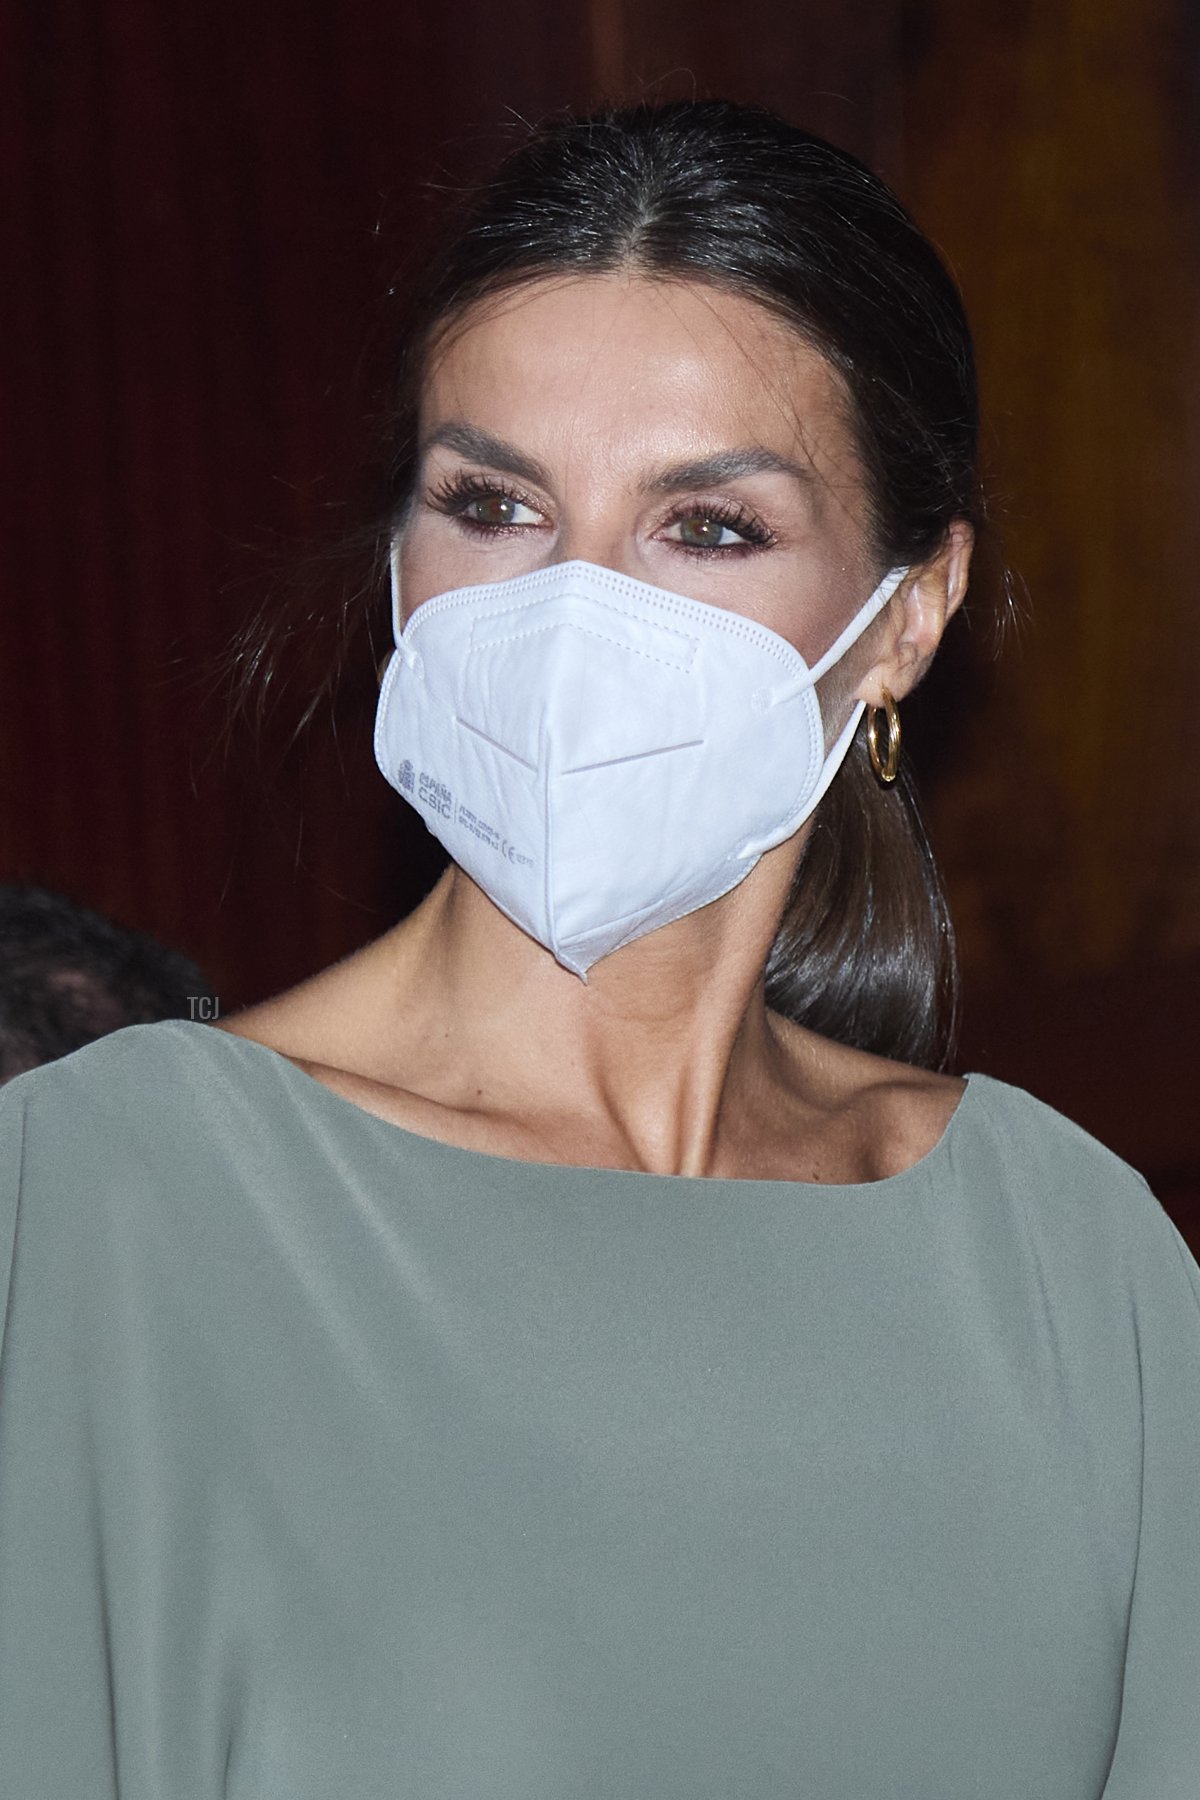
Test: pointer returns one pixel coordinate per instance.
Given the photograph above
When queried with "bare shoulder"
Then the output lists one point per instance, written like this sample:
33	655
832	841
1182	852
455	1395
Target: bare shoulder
337	1028
875	1117
325	1020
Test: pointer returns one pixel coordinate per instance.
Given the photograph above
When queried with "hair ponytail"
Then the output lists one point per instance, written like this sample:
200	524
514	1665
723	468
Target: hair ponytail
865	950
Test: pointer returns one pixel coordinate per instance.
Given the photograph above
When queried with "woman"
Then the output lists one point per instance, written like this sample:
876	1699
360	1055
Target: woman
580	1345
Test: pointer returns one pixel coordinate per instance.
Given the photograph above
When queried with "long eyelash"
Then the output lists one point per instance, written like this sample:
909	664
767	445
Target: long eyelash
455	493
748	526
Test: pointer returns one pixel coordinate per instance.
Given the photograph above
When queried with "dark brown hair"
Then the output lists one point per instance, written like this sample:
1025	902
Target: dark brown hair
733	196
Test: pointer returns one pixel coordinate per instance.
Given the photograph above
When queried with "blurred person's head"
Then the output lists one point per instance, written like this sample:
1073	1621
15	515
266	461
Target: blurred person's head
68	975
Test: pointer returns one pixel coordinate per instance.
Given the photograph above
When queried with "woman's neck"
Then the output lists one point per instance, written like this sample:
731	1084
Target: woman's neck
457	1026
663	1041
665	1059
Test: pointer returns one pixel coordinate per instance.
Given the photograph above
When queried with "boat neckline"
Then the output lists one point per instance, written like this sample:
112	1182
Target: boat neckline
304	1082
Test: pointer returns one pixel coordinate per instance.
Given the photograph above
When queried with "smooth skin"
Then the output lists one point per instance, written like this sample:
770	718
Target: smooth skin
689	438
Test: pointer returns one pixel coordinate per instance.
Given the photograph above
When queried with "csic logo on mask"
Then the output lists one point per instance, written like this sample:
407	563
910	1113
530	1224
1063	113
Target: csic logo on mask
436	798
435	795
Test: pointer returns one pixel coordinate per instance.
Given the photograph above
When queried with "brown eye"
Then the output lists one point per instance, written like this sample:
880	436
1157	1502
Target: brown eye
703	531
718	531
719	527
499	510
493	509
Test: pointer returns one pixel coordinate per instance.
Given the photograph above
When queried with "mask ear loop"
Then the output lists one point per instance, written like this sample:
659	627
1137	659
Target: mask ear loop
870	612
404	648
865	616
394	581
858	624
787	690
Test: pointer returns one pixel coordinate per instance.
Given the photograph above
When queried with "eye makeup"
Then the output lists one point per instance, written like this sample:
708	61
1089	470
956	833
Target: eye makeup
487	505
455	494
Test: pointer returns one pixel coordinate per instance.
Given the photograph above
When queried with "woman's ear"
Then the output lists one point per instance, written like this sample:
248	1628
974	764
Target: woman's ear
915	619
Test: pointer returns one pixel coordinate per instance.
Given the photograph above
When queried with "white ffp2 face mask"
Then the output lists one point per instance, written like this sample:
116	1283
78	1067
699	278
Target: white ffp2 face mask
602	756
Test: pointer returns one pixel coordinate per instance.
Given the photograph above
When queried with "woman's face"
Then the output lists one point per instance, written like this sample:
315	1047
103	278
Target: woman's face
676	433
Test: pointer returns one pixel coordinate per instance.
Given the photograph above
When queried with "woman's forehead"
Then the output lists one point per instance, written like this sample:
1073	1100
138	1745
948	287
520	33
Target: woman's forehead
624	355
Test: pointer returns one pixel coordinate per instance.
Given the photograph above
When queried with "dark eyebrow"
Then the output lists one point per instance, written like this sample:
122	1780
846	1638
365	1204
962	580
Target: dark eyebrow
726	465
481	447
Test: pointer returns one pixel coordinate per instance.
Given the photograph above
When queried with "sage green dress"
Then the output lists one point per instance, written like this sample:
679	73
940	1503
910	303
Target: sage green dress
339	1464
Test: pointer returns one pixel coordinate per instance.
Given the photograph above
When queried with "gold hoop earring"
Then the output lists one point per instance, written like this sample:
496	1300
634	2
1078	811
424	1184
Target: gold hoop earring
886	764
